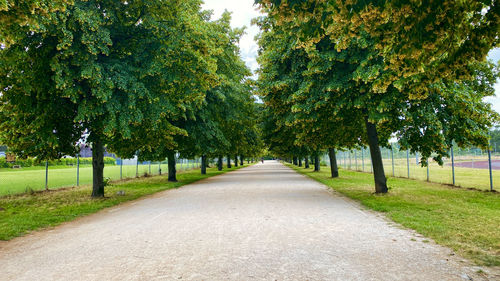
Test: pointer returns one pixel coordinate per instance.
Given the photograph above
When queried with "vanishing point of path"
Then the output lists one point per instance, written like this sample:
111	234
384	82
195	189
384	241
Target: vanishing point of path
264	222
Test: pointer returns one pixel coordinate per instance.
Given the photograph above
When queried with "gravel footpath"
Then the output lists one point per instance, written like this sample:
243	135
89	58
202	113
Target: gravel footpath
264	222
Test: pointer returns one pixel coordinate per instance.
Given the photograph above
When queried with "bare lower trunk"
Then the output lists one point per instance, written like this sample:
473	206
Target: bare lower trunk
378	166
316	163
294	159
300	162
203	164
241	160
97	169
333	163
172	172
229	161
220	163
306	164
236	160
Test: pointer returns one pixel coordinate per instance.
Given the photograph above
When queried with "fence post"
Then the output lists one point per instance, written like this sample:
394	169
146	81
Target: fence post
392	160
356	158
452	165
78	169
363	158
46	174
408	161
489	166
428	169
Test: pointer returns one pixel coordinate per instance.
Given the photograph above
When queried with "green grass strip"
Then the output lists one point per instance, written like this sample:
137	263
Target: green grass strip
21	214
16	181
466	221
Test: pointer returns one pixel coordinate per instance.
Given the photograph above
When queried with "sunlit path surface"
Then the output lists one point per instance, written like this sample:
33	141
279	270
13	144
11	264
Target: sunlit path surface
265	222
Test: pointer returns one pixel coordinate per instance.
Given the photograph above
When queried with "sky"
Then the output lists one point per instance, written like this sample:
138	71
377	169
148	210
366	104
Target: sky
243	11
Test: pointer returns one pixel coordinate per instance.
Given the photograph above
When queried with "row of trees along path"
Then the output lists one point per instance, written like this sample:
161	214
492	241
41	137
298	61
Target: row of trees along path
350	74
139	78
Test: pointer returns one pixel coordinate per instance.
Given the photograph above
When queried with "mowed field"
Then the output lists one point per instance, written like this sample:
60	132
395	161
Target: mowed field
15	181
468	174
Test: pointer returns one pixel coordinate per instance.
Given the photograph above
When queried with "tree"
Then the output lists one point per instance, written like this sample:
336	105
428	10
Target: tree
105	71
289	78
204	124
279	78
495	136
20	16
382	73
420	41
217	125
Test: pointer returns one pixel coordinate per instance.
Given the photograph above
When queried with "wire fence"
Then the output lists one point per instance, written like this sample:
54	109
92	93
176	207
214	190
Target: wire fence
28	179
469	168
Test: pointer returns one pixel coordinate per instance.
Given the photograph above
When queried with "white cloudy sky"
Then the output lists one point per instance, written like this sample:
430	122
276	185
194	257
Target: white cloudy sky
244	10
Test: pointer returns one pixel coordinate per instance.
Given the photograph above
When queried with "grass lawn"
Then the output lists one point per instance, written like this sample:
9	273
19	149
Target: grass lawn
466	221
20	214
15	181
464	177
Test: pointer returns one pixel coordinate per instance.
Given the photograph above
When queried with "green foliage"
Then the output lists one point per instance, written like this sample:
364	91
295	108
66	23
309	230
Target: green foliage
224	121
30	162
420	42
495	136
118	78
20	16
330	68
207	125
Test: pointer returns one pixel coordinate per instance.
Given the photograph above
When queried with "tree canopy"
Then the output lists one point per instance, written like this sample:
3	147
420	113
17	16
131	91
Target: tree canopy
126	75
364	80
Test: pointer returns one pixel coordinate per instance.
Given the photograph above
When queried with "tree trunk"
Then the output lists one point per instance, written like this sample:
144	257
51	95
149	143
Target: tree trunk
295	161
300	161
97	169
203	164
172	172
378	166
316	162
306	164
229	161
333	163
241	160
220	163
236	160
